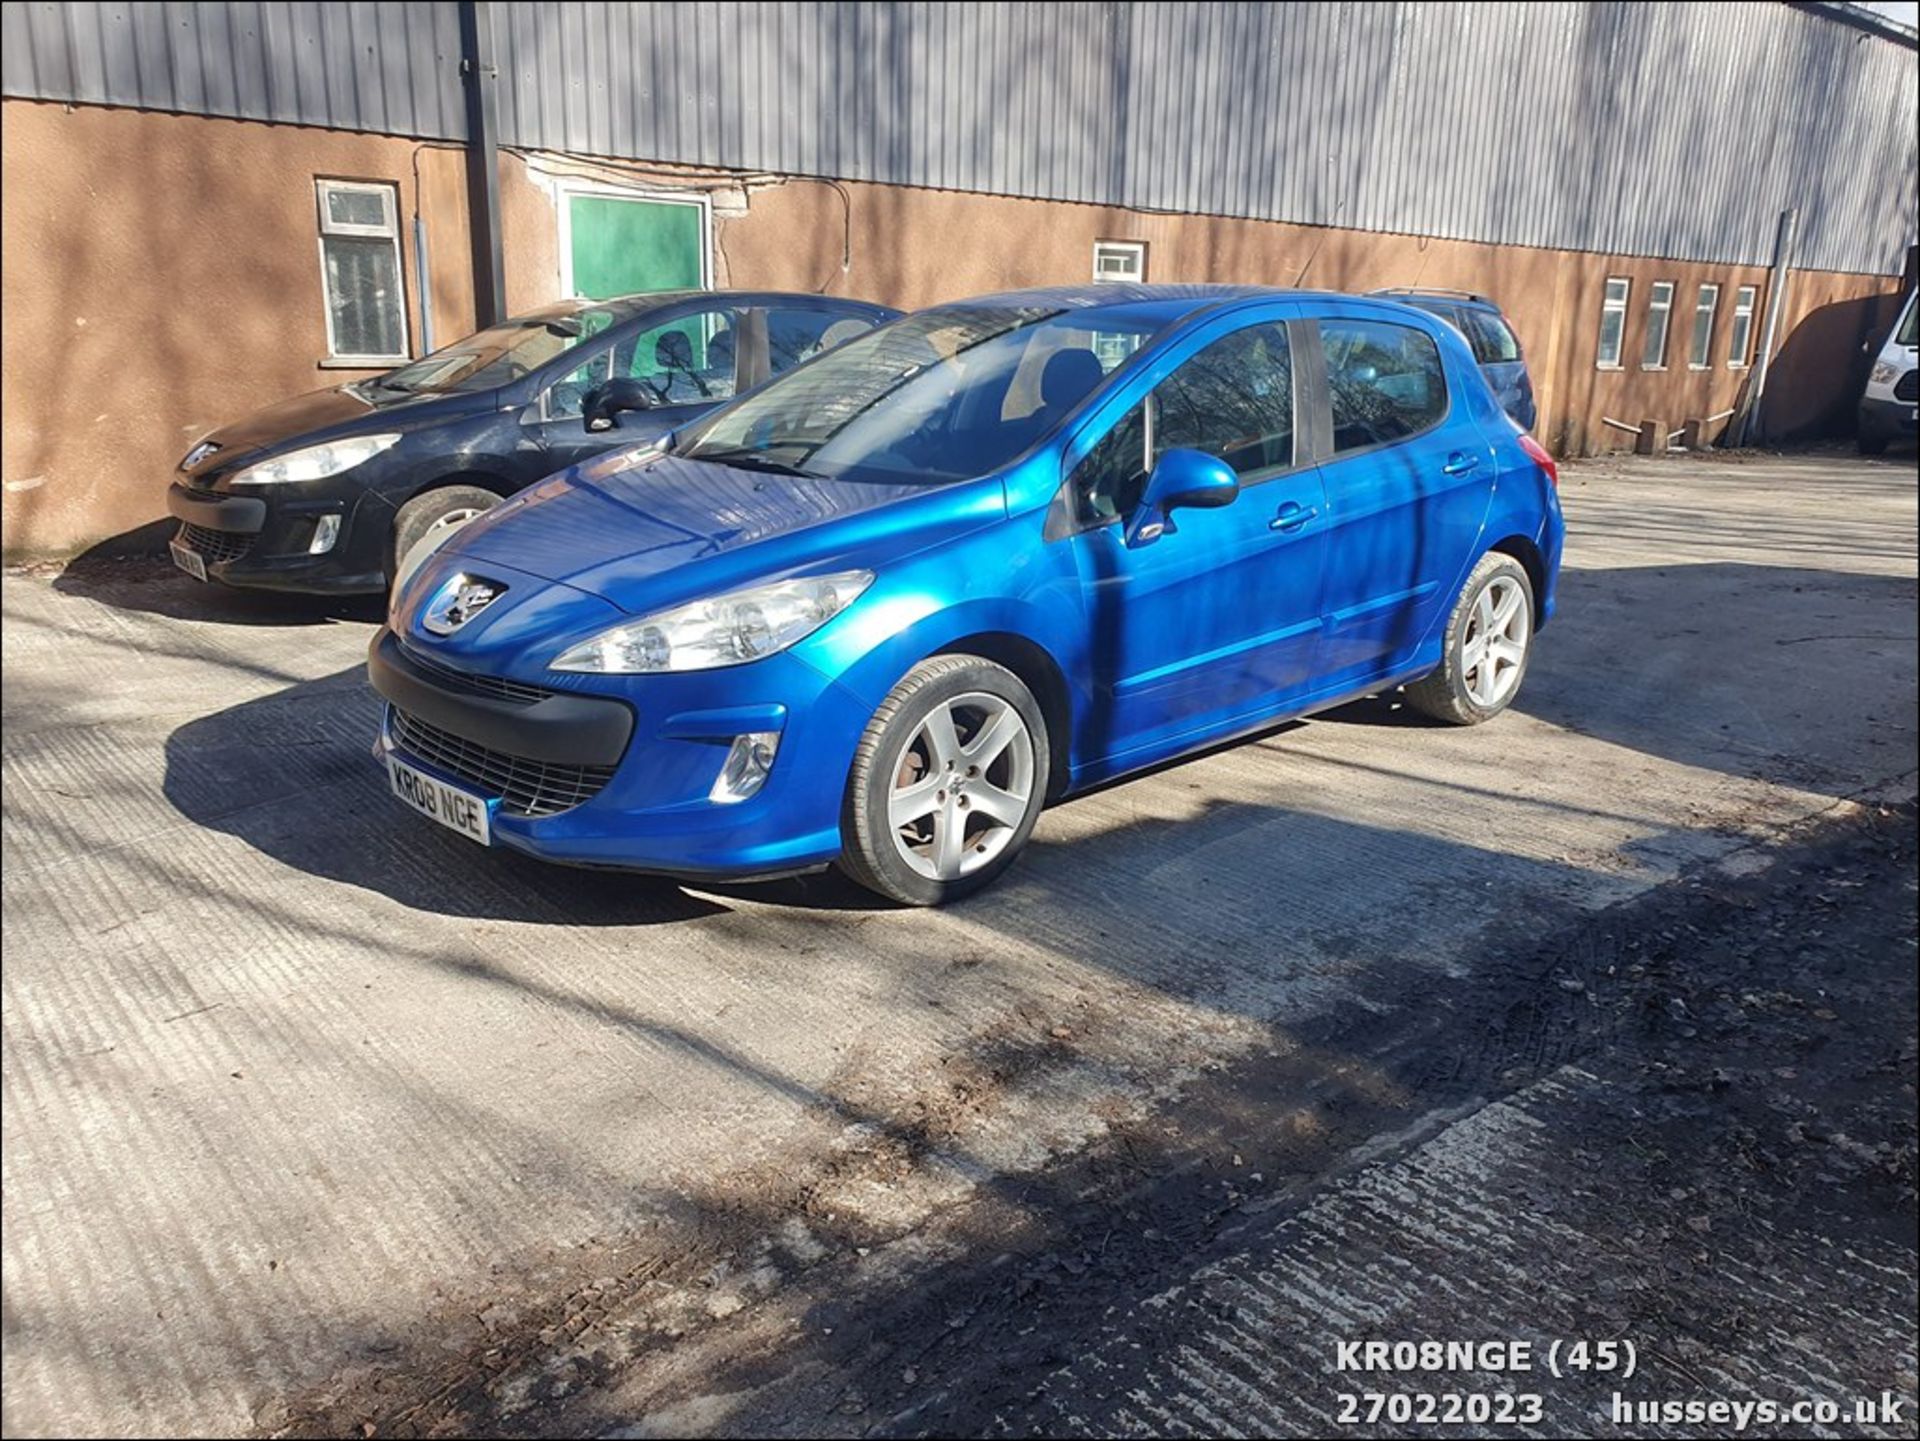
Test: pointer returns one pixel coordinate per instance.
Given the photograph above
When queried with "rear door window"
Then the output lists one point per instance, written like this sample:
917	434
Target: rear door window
1492	340
1385	382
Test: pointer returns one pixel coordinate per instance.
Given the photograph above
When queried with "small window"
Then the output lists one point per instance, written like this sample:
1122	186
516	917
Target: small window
1492	340
1659	312
566	395
1385	381
1108	481
1740	333
1701	351
360	266
1233	400
1119	260
1613	322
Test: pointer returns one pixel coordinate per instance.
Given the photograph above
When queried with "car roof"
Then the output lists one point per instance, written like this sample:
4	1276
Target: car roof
626	307
1107	294
1166	302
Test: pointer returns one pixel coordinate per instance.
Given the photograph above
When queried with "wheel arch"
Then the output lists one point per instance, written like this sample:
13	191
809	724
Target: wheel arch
1523	549
479	479
1040	673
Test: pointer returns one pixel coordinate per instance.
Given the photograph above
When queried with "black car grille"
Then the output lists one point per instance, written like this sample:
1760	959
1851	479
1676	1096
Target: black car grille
467	683
524	787
216	546
1909	386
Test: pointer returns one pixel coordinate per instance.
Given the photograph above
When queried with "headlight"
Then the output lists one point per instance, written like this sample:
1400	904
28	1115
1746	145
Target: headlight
315	462
1884	372
727	630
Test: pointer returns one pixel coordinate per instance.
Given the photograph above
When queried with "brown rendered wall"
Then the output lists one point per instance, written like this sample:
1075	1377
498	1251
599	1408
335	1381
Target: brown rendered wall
159	274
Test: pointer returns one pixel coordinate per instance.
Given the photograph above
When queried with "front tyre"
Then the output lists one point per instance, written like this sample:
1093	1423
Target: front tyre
1489	641
428	521
947	782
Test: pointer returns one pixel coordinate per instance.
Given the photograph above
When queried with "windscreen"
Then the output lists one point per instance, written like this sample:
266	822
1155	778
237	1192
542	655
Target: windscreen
943	395
499	355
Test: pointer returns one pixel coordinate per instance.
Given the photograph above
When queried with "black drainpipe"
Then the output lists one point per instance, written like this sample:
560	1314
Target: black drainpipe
483	164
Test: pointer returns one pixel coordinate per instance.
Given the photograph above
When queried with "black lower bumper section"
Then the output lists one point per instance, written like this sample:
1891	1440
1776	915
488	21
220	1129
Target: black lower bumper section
559	728
244	513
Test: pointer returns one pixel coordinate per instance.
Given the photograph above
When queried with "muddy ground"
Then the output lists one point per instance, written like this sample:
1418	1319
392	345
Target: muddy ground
1723	1074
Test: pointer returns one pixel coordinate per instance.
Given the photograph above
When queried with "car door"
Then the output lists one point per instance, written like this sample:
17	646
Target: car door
1218	620
1408	478
689	359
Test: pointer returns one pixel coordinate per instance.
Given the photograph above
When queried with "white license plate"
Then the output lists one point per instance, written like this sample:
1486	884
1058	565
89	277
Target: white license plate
454	808
188	559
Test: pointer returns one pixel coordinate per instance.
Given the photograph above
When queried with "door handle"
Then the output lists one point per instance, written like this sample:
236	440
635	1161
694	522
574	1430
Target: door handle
1292	516
1459	463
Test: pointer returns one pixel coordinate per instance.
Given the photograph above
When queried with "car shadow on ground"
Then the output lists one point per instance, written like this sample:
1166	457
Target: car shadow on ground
290	773
133	572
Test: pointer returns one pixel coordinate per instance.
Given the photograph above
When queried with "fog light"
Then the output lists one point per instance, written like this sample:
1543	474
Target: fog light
749	760
325	532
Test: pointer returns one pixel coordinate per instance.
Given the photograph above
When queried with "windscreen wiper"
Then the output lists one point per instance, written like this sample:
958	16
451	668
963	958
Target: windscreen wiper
742	458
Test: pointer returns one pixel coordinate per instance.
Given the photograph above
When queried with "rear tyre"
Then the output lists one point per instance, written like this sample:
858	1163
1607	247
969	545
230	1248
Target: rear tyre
426	522
947	782
1488	643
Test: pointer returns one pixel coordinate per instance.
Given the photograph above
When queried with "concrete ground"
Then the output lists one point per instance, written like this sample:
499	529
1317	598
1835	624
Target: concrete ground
313	1111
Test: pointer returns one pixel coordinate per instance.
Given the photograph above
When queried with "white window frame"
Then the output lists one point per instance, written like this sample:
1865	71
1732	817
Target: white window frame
1745	299
1709	292
701	202
1607	304
1134	251
389	193
1663	305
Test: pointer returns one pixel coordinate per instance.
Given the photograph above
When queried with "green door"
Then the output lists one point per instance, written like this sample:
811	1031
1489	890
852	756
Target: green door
620	246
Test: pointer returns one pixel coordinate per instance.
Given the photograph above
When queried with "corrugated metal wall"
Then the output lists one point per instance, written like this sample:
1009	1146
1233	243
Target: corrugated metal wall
393	68
1675	130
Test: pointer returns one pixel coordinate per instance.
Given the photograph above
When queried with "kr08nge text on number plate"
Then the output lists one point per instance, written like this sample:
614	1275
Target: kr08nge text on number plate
455	809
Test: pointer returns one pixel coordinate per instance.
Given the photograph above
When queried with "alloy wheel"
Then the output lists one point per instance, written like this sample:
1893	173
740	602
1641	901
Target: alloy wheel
962	786
1494	649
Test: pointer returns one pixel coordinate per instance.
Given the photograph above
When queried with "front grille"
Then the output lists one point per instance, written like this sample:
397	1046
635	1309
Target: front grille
467	683
1908	387
216	546
524	787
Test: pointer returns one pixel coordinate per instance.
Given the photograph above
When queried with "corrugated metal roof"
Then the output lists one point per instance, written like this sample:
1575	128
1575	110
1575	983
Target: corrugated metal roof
1675	130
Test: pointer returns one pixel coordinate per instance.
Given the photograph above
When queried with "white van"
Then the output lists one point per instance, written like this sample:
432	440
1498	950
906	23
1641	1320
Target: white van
1890	407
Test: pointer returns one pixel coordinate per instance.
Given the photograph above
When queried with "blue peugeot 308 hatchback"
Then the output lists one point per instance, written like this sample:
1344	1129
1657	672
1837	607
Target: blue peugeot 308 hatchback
883	609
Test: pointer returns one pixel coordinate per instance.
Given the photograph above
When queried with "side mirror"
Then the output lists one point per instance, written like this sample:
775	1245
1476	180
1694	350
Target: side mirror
604	402
1181	480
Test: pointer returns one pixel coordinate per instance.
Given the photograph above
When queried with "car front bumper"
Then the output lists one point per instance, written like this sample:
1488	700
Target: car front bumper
263	542
651	754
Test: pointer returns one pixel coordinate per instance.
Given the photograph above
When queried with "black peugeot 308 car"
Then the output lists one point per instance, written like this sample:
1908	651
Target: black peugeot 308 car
327	491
